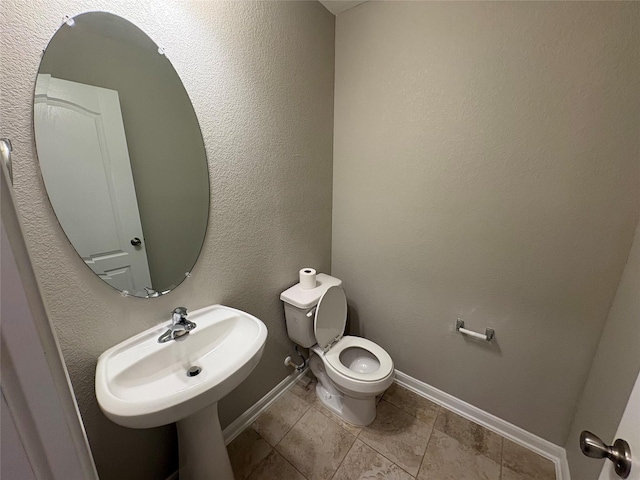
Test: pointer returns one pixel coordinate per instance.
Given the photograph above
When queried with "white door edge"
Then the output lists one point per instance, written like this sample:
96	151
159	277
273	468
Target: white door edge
59	454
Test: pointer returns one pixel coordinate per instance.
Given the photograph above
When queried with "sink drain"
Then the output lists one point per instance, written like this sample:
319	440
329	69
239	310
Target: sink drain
193	371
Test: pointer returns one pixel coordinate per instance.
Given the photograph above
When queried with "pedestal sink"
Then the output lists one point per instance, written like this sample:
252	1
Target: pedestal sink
141	383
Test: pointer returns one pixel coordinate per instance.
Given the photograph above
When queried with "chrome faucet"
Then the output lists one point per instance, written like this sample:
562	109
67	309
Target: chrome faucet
179	325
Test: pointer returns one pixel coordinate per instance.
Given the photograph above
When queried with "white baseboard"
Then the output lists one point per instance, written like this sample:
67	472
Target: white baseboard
543	447
236	427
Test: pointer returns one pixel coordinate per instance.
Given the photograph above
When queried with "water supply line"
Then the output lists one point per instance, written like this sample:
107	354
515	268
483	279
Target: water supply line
289	363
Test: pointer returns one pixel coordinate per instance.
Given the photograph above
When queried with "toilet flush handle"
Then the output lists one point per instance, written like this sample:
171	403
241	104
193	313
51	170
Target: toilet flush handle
311	312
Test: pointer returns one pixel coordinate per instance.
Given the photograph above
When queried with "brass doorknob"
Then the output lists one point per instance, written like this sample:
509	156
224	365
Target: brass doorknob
619	453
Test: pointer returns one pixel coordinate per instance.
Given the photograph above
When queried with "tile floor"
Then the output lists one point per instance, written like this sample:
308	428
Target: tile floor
411	438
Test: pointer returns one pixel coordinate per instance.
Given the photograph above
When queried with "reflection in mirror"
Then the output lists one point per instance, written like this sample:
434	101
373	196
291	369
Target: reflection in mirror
121	154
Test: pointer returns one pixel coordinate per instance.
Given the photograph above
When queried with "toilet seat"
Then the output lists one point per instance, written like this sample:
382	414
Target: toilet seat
332	358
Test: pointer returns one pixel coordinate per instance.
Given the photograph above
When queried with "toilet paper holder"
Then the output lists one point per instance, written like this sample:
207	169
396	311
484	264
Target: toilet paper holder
487	336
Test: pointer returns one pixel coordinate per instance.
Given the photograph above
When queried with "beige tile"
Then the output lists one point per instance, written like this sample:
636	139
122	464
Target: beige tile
412	403
278	419
527	463
448	459
470	434
316	445
275	467
305	388
352	429
364	463
400	437
508	474
246	452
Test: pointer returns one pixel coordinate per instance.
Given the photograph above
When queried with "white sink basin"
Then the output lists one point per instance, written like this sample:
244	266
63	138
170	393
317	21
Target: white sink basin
141	383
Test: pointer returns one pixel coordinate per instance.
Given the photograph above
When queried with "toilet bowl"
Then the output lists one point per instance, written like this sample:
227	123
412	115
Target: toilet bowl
351	371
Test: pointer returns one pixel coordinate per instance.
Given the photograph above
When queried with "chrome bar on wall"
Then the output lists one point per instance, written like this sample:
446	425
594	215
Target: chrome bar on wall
487	335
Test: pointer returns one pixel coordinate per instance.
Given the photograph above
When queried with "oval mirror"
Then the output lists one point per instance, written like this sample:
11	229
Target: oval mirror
121	154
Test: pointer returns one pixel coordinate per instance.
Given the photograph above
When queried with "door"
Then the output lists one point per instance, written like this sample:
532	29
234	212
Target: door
42	434
629	430
87	173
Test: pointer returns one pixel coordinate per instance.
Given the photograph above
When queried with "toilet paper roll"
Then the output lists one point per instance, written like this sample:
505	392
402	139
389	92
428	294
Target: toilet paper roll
307	278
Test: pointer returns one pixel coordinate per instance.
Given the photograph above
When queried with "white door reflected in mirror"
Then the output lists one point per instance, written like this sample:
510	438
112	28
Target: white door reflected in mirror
102	220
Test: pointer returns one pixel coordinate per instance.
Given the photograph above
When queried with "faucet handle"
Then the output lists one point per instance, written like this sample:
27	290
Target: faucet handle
178	314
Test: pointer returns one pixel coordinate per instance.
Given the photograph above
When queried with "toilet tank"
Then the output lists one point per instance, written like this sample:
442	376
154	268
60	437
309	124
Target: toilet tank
298	302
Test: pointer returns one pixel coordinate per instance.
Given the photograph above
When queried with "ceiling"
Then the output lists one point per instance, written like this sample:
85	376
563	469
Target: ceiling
339	6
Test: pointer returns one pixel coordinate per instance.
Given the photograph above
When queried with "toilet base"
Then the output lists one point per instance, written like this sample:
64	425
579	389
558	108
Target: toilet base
356	411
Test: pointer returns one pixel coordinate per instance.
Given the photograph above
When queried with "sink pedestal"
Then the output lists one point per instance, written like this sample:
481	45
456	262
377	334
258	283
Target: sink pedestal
203	454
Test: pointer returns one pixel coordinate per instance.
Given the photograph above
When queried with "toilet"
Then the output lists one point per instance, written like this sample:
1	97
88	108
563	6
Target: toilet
351	371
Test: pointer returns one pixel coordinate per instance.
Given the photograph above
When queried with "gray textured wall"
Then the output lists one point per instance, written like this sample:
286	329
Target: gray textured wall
260	75
613	373
486	165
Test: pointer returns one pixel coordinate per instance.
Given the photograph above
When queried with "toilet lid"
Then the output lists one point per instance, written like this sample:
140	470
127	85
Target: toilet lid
331	316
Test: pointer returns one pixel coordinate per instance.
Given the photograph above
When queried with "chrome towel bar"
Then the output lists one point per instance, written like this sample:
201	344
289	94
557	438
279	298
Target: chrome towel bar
487	336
